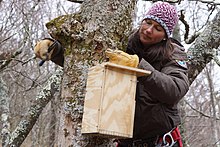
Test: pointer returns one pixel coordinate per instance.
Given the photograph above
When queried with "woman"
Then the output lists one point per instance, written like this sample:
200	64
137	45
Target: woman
157	96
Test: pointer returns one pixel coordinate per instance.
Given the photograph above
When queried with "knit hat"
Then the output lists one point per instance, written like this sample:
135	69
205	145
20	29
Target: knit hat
165	14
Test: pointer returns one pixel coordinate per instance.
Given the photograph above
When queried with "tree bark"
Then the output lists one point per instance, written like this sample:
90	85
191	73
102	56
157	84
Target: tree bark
24	127
204	48
86	35
4	109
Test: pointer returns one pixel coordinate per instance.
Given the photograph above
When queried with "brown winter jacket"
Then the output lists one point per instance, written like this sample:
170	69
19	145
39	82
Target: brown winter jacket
157	95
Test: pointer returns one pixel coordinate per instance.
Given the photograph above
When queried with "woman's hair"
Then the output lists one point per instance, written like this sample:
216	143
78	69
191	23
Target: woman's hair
162	50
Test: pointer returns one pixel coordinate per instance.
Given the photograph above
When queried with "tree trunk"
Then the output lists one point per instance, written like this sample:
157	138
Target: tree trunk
86	35
204	48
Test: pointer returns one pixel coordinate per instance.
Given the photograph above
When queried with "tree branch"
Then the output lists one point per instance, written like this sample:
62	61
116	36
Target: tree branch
4	63
186	35
4	108
76	1
201	113
201	52
43	98
2	41
182	19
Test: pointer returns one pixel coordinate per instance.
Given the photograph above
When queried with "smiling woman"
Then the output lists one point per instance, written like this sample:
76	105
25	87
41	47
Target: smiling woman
157	95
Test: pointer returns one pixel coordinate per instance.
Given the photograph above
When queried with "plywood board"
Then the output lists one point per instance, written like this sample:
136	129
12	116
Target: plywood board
110	100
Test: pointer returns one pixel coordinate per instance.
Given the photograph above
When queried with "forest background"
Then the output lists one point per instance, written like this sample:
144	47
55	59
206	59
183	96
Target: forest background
57	115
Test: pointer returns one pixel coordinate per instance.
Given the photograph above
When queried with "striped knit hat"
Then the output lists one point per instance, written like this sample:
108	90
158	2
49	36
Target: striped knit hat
165	14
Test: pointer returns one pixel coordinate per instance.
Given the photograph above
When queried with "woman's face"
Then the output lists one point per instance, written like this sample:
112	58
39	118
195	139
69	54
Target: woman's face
151	32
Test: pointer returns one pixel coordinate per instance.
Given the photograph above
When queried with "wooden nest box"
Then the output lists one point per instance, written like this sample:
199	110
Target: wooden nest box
110	100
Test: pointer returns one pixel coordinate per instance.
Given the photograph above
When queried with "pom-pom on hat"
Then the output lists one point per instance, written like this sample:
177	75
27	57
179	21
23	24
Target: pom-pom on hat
164	14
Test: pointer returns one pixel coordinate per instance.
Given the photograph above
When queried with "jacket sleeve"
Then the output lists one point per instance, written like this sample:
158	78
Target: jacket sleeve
167	86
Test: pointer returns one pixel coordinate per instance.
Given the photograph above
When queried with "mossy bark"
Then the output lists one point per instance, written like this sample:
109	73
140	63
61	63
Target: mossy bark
43	98
86	35
204	48
4	109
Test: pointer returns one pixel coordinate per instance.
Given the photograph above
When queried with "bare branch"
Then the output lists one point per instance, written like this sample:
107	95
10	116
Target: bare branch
26	61
6	62
2	41
201	113
43	98
201	52
182	19
4	108
77	1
